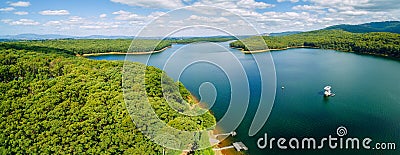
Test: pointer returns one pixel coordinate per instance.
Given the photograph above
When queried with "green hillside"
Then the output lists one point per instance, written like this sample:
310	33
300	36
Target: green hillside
53	102
388	26
374	43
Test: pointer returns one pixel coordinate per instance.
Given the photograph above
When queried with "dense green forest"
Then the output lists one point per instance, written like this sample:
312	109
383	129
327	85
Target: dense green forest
89	46
55	102
374	43
200	39
388	26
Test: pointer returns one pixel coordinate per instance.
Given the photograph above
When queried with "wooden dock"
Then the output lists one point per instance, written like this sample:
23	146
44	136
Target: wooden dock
240	146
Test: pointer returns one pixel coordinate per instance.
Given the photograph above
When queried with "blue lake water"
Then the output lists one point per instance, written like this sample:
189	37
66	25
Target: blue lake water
367	100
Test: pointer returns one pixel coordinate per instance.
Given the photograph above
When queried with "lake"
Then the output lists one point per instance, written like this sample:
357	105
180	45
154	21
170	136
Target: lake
367	101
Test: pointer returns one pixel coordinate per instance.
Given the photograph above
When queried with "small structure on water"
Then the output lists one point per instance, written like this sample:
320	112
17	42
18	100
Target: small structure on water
328	91
239	146
236	145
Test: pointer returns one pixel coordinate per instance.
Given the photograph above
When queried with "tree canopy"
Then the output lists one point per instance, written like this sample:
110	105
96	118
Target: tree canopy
89	46
374	43
55	102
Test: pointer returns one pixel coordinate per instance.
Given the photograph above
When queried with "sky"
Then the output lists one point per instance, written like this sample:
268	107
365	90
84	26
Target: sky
165	17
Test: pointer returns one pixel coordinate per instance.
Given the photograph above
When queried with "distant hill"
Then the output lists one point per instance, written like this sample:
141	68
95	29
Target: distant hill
284	33
31	36
104	37
388	26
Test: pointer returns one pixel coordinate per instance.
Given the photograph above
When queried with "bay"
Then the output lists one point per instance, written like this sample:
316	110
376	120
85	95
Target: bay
367	100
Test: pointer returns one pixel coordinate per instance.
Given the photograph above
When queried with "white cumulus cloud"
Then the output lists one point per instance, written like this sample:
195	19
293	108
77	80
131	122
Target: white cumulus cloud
21	13
20	22
103	15
293	1
20	4
253	4
168	4
7	9
125	15
54	12
53	23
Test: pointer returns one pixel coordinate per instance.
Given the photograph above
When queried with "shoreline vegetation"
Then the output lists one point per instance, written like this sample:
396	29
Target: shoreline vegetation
88	47
374	43
269	50
124	53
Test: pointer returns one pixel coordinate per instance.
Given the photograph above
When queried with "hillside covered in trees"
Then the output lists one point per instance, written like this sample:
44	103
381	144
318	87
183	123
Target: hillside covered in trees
375	43
90	46
388	26
55	102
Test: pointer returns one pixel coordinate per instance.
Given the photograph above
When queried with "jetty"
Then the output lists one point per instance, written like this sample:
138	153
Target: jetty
236	145
239	146
233	133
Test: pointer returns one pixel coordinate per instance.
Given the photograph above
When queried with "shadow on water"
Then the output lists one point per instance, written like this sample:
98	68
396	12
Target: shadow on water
325	99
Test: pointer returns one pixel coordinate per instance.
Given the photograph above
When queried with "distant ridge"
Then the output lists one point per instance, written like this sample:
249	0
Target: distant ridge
388	26
284	33
31	36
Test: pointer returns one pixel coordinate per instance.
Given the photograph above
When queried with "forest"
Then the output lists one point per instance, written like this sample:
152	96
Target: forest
374	43
90	46
387	26
55	102
87	46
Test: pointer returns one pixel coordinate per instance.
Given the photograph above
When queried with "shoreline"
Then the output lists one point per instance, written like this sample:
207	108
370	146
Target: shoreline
213	132
311	47
221	144
268	50
124	53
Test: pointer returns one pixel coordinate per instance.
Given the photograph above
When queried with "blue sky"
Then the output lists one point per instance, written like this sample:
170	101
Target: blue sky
128	17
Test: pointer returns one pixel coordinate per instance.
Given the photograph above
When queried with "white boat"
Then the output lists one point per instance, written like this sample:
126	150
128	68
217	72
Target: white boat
328	91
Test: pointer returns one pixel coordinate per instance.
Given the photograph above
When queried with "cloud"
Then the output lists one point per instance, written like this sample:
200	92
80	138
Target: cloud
354	13
156	14
103	15
53	23
207	20
20	4
20	22
54	12
7	9
125	15
21	13
380	5
307	7
252	4
76	22
99	26
167	4
293	1
235	4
